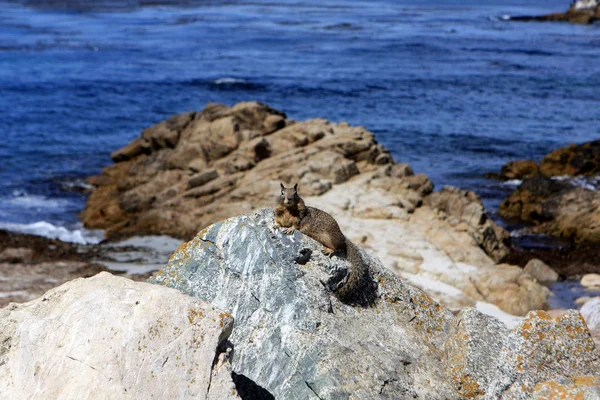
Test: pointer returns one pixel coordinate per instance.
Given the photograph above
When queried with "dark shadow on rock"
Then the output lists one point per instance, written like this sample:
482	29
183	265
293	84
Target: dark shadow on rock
250	390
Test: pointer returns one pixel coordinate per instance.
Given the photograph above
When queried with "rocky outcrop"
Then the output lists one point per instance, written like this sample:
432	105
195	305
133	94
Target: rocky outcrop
292	337
580	12
224	161
201	167
107	337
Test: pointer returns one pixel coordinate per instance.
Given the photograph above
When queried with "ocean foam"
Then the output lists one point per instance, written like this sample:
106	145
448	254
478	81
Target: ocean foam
228	81
46	229
24	200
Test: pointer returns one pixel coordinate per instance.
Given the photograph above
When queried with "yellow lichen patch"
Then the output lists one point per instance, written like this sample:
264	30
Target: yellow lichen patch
194	315
542	315
181	252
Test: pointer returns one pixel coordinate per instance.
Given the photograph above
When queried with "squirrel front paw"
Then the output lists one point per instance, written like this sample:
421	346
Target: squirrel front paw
289	230
328	252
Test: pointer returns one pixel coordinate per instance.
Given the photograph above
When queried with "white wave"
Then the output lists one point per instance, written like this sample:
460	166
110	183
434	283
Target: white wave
46	229
512	182
23	200
228	81
580	181
505	17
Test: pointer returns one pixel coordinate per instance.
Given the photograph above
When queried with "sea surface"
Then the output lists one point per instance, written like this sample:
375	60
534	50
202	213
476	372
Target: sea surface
454	88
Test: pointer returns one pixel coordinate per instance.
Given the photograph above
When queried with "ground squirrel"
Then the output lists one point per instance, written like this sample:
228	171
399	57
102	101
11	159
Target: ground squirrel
293	214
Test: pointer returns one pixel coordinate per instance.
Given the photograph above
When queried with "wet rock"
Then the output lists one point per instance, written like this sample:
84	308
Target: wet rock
519	169
542	272
16	255
140	341
574	160
292	337
580	12
543	349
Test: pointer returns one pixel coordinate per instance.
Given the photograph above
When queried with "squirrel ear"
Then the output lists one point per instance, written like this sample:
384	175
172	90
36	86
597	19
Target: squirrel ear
282	187
296	187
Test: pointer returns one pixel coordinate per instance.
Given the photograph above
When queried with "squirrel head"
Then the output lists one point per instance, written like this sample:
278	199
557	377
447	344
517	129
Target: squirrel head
289	196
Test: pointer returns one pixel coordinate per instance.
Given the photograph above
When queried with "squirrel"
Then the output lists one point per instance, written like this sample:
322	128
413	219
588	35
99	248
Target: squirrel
293	214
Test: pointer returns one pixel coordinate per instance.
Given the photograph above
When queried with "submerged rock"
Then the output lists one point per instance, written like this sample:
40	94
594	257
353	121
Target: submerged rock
293	338
107	337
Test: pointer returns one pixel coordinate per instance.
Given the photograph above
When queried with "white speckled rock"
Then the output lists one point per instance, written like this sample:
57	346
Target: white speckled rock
107	337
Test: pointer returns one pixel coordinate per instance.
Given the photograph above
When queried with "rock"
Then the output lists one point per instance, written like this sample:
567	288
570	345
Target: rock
16	255
543	349
223	160
574	160
467	207
591	313
469	354
582	300
580	12
590	280
583	387
140	341
557	209
292	337
519	169
228	161
542	272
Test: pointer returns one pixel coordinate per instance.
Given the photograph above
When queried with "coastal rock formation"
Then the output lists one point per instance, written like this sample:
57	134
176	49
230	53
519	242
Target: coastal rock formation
557	207
108	337
292	337
201	167
580	12
542	272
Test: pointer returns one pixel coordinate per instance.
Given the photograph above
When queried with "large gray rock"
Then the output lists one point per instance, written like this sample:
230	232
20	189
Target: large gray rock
542	349
295	339
109	338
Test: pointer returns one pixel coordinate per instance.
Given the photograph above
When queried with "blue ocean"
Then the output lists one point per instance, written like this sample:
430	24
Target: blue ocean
453	88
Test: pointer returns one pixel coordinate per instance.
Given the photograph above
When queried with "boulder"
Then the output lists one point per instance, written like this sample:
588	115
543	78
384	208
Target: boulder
580	12
542	272
107	337
590	280
591	313
543	349
519	169
294	338
574	160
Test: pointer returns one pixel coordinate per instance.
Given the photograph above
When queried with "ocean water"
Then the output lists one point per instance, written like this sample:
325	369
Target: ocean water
451	87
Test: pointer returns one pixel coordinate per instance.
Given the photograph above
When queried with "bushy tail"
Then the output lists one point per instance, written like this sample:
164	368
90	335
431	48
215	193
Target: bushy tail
359	289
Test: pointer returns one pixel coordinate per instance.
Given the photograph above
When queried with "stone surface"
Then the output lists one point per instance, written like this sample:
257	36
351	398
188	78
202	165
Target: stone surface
590	280
519	169
292	336
591	313
543	349
580	12
556	208
432	250
542	272
107	337
573	160
583	387
470	352
230	160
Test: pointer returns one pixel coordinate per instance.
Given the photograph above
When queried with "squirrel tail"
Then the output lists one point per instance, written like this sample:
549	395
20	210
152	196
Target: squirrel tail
359	289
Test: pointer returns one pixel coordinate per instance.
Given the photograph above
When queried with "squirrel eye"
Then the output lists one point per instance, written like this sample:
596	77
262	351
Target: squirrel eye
282	193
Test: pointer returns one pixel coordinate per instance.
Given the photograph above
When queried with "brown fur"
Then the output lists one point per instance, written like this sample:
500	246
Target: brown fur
293	214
